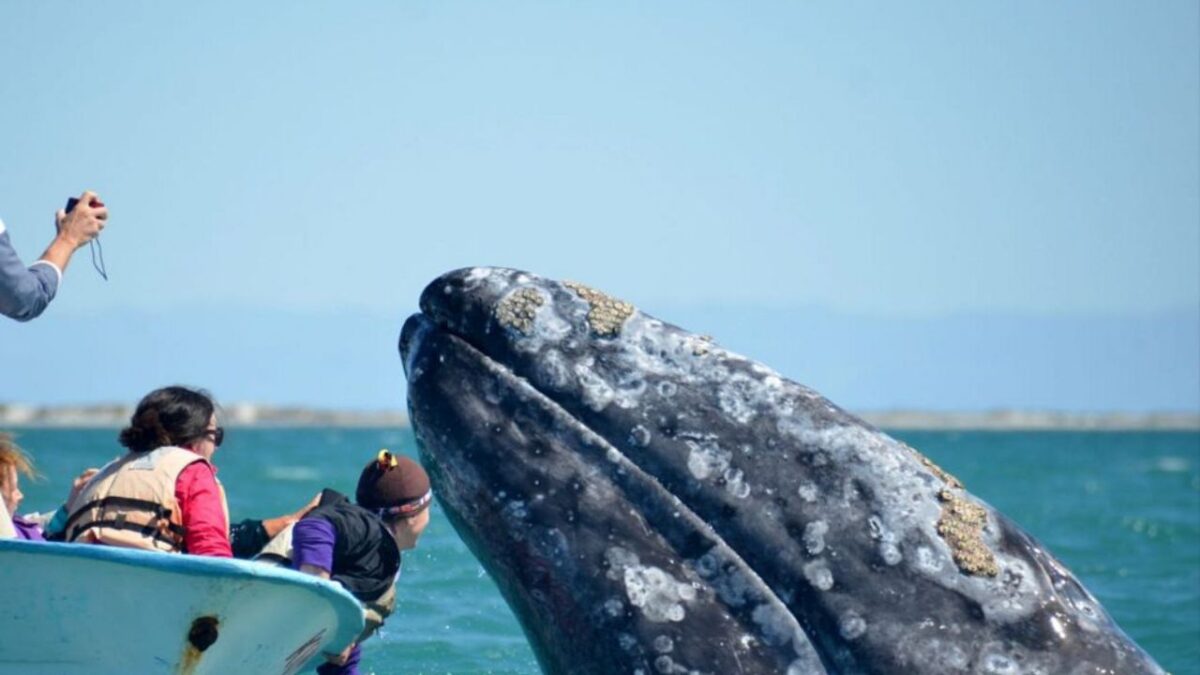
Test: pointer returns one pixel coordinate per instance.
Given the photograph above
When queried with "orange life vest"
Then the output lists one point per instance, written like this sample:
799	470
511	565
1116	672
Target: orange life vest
131	502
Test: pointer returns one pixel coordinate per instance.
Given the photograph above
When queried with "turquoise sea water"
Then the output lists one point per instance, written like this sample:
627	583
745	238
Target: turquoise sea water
1122	510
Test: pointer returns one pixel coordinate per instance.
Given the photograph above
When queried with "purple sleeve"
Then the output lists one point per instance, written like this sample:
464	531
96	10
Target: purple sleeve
27	529
351	667
312	544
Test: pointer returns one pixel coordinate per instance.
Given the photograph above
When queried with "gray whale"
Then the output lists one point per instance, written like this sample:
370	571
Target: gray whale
648	502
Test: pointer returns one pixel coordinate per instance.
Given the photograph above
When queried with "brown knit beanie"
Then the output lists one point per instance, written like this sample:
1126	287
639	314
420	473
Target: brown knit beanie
392	485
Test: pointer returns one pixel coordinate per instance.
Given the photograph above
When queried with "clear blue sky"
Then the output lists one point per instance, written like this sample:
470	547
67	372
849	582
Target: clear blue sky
898	161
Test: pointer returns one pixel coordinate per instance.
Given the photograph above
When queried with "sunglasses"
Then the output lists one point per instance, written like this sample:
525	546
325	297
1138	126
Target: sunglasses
217	435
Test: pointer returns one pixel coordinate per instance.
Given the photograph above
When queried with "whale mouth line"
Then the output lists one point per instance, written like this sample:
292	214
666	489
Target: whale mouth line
598	450
644	499
518	383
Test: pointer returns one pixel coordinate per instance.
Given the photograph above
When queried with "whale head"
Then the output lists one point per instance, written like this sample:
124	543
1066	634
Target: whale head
648	501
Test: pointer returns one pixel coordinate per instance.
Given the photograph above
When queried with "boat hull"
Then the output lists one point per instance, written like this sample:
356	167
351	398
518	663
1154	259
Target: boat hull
73	608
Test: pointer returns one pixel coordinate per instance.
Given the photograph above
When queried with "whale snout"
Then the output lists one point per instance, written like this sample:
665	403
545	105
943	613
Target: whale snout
647	500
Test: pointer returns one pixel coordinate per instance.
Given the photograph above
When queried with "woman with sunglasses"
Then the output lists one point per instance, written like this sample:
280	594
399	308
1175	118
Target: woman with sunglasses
163	495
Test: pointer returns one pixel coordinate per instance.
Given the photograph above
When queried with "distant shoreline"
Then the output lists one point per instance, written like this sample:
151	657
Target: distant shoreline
254	415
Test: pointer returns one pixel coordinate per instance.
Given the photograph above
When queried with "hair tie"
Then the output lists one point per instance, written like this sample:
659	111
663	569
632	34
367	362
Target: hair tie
408	509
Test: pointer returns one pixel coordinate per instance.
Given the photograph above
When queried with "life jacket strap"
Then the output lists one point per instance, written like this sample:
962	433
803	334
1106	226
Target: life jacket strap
147	530
156	509
160	519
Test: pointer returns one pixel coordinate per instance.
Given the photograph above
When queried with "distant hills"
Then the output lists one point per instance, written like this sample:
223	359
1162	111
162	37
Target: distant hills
238	414
249	415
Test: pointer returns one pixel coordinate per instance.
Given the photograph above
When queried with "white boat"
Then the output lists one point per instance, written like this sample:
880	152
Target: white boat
72	608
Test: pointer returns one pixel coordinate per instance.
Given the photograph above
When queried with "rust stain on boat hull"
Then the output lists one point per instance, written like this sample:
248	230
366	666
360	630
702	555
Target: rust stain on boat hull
203	634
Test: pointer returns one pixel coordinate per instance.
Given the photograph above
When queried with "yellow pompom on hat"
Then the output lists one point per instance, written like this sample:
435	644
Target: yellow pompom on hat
393	485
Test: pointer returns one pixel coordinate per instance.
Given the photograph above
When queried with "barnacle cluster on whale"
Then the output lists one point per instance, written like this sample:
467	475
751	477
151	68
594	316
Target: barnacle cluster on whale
632	486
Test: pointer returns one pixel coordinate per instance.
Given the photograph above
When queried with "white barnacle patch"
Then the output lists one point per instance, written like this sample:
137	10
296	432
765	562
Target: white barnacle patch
818	574
889	549
628	391
706	457
1018	592
814	537
639	436
998	664
554	369
808	492
734	395
890	553
550	327
844	443
597	393
476	276
656	593
929	561
663	644
618	558
852	626
735	483
667	389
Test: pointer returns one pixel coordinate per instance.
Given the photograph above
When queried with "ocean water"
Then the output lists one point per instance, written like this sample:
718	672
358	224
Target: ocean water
1122	510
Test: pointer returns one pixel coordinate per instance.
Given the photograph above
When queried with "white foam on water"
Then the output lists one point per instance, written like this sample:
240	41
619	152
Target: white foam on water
292	473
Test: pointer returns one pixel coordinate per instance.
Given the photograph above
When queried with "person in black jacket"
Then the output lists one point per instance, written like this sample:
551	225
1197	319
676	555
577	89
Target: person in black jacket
359	544
248	537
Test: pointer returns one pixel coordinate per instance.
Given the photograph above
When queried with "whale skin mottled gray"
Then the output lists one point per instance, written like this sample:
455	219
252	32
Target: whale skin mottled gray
648	502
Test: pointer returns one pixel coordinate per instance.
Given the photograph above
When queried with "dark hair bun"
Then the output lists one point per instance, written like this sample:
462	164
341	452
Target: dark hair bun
167	416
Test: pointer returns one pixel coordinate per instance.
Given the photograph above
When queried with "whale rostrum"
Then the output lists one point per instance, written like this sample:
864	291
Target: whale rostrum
649	502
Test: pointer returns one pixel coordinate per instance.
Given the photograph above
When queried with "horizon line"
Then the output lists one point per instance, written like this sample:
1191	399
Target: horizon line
241	414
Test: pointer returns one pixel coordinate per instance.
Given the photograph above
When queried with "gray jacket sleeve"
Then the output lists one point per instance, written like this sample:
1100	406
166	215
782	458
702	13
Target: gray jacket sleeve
24	291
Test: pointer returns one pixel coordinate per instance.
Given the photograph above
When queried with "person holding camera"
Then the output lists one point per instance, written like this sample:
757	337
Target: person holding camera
26	291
